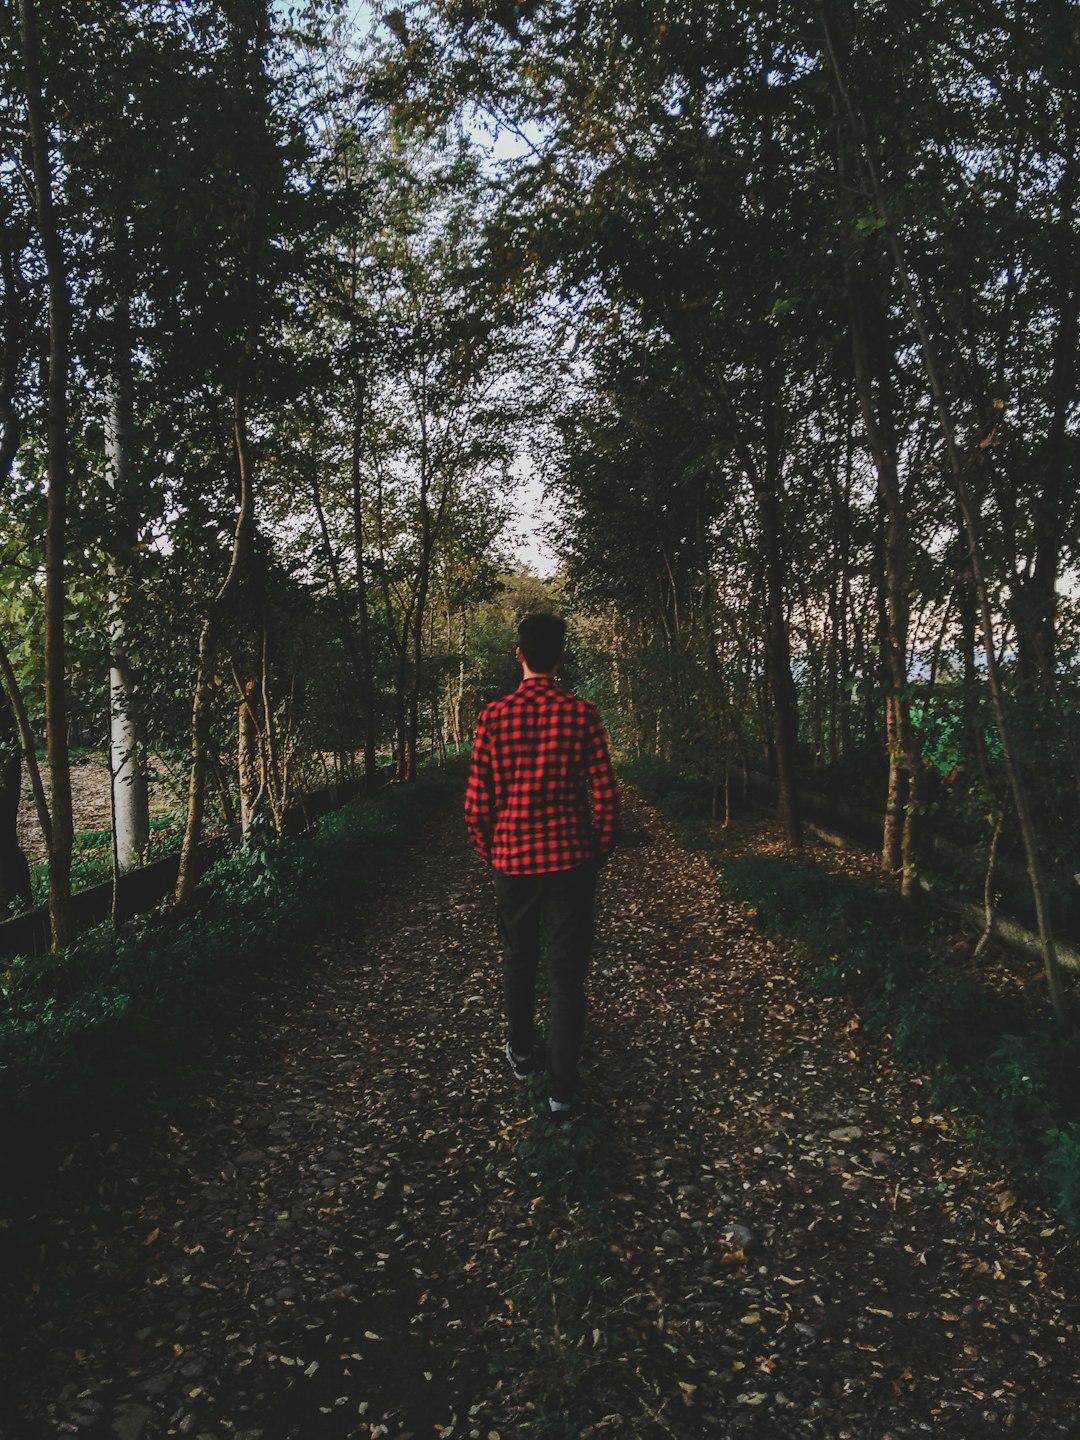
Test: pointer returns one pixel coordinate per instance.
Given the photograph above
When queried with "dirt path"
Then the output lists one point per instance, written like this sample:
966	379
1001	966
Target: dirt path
781	1239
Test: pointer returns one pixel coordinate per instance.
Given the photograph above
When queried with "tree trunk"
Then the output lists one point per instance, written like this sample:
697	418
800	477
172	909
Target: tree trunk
778	657
127	762
10	687
781	729
967	606
873	359
249	781
401	764
1037	634
423	581
784	713
892	859
989	900
275	773
250	32
201	713
56	719
14	869
228	809
413	717
839	593
10	419
367	675
359	654
15	884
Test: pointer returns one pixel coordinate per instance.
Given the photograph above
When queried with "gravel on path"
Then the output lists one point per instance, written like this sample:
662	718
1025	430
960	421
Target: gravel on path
791	1240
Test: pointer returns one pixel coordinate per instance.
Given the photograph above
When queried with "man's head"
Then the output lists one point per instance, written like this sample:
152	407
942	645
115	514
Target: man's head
541	641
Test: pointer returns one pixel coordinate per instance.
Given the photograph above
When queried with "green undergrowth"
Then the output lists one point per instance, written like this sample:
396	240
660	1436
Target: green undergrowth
92	857
979	1044
92	1036
690	801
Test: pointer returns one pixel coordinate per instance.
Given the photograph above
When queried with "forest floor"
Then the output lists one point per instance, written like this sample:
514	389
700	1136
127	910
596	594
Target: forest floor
757	1227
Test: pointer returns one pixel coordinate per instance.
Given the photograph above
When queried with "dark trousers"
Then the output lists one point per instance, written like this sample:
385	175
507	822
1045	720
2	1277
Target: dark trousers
563	902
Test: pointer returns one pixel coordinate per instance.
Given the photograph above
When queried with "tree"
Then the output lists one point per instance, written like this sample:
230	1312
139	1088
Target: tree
48	226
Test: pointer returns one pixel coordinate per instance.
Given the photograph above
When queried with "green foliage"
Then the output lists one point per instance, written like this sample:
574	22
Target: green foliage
681	797
1063	1170
563	1289
93	1033
945	727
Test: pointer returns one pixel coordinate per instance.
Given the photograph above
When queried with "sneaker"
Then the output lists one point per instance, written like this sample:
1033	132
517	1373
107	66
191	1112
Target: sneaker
560	1113
522	1065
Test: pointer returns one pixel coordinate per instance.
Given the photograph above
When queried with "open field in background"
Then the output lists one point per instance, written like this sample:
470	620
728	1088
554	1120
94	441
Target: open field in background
90	799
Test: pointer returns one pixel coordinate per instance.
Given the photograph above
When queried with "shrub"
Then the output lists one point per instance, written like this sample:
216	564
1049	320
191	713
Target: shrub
1063	1170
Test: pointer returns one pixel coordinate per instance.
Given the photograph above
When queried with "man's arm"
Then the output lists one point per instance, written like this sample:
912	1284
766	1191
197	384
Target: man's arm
603	789
480	794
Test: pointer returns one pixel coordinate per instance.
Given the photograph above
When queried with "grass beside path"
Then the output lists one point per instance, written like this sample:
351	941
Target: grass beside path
92	856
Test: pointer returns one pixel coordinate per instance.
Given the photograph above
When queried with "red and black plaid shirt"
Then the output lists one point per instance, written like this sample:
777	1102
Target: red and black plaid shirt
540	756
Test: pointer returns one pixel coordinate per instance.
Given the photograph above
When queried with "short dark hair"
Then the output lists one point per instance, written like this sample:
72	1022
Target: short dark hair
542	639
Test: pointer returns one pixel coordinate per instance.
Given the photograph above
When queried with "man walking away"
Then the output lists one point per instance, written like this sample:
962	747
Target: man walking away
542	809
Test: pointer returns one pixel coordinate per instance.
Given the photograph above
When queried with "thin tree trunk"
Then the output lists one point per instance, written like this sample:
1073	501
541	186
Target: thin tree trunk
10	419
837	659
401	767
818	680
275	777
228	809
423	582
348	635
249	39
127	756
56	720
29	747
891	843
249	782
781	726
14	869
399	636
989	905
966	607
239	564
15	882
413	713
778	662
1040	599
872	361
367	680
